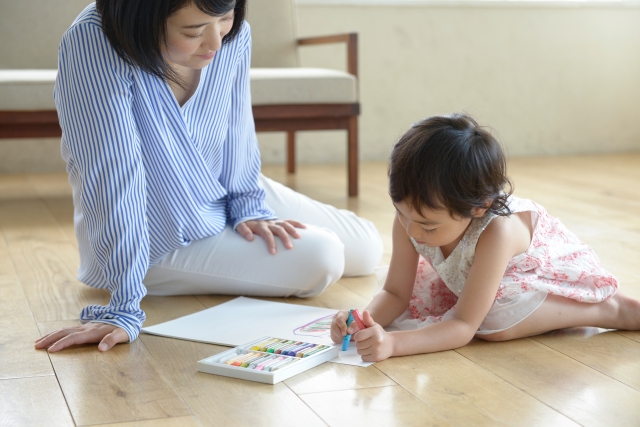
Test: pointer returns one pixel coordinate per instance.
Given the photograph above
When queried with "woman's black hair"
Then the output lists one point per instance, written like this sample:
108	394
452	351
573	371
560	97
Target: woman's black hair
449	162
137	28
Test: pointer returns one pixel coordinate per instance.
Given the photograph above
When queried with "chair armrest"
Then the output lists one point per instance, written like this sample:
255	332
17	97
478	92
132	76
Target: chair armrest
351	39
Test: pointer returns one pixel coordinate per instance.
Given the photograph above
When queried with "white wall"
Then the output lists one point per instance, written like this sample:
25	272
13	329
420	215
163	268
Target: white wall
550	78
31	30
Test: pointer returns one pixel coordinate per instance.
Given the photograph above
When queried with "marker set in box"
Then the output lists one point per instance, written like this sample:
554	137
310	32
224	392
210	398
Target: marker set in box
269	360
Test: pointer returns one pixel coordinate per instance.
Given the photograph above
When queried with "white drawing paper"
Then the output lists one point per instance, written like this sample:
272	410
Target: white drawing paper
351	357
243	320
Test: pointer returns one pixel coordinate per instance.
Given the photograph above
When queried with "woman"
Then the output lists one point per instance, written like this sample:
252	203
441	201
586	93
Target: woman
153	100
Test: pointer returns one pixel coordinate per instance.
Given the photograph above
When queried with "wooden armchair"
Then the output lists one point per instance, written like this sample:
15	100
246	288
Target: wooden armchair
289	98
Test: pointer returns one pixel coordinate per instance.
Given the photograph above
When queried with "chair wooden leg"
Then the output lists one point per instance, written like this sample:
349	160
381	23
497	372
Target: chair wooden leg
353	156
291	152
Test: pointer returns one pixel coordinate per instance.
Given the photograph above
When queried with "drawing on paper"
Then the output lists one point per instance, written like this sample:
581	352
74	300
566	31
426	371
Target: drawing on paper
318	328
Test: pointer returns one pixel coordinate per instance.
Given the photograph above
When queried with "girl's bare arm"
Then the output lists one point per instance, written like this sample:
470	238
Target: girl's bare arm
496	246
394	298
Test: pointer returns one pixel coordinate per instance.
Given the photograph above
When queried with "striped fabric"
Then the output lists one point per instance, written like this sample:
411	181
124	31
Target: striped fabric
149	176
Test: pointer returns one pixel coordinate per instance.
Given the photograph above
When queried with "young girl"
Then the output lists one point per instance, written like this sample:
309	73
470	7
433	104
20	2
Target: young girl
493	266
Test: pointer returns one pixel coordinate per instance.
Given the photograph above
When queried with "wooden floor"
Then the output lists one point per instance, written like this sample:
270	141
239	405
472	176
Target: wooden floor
572	377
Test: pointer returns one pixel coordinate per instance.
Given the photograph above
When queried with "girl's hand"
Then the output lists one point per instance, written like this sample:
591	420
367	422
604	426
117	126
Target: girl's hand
92	332
267	229
339	326
374	343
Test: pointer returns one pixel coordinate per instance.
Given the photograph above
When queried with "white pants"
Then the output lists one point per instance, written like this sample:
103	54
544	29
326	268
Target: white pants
335	243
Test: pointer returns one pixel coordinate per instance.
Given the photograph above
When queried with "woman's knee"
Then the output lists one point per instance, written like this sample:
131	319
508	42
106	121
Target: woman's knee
364	251
320	261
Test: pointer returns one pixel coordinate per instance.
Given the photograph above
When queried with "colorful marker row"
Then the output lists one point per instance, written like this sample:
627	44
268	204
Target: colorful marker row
259	361
288	347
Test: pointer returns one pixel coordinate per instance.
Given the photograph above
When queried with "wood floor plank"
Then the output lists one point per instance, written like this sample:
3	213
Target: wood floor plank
218	400
29	219
61	209
581	393
124	384
45	262
371	407
162	422
605	176
55	184
335	376
55	192
575	179
364	286
466	394
47	271
632	335
34	401
15	187
209	301
336	296
19	330
18	358
631	289
607	352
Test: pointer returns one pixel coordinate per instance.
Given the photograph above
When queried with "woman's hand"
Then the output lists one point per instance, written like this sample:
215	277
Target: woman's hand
374	343
267	229
107	335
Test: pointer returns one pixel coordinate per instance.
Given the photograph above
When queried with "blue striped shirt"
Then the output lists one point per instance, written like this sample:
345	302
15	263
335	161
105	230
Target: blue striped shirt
149	176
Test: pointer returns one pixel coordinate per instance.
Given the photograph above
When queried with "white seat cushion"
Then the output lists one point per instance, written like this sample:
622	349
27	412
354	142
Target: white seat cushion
301	86
33	89
27	89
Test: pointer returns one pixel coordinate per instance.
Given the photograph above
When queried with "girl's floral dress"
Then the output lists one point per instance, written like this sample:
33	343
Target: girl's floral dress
557	263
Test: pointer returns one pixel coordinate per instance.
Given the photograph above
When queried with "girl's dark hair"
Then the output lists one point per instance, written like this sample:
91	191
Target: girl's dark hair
449	162
137	28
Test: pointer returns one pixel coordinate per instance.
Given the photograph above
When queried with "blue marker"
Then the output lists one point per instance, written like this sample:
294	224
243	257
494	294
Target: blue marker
347	338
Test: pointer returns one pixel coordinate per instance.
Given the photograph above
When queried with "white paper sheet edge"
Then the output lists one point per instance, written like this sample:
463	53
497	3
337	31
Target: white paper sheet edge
243	320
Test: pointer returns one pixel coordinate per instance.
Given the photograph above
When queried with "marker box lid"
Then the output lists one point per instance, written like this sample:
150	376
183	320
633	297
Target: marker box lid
215	364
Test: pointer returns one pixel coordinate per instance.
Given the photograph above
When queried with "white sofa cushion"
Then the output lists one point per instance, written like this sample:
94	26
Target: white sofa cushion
33	89
27	89
301	86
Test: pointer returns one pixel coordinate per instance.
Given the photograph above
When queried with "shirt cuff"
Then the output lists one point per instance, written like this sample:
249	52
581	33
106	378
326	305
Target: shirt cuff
248	207
130	322
249	218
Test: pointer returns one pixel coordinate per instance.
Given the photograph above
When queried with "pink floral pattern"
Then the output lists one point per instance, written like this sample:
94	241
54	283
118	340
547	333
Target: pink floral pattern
431	298
557	263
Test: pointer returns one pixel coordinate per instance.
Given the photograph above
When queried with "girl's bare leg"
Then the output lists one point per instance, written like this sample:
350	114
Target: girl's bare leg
617	312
